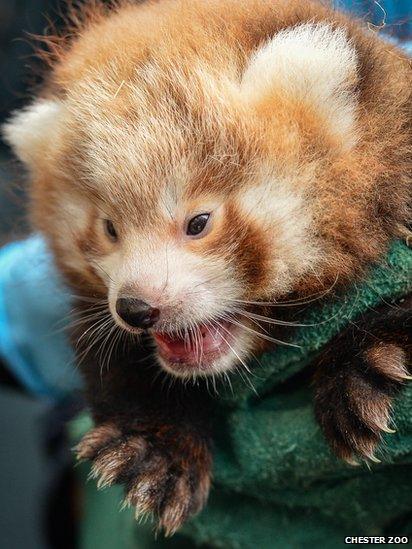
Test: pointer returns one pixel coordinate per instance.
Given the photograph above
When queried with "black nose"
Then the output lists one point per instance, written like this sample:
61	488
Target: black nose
137	313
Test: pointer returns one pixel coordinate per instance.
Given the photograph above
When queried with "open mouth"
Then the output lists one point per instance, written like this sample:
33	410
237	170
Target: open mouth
197	347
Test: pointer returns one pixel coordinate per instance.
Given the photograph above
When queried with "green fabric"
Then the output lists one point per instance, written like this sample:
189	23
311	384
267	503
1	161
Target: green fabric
276	483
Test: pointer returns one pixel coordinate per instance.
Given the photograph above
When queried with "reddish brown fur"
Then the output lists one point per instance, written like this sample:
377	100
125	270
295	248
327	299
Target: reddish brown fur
155	127
381	162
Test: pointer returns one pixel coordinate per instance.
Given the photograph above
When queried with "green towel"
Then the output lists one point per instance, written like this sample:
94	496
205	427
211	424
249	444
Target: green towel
276	483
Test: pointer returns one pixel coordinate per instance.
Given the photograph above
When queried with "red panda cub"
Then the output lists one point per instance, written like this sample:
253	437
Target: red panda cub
192	163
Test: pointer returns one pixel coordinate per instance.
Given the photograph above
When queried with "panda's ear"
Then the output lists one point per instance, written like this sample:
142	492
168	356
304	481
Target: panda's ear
30	130
312	63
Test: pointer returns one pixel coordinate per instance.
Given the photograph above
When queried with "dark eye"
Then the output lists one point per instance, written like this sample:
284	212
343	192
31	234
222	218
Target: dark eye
110	230
197	224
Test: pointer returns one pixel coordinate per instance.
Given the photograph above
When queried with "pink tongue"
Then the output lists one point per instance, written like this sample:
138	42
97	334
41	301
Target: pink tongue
207	339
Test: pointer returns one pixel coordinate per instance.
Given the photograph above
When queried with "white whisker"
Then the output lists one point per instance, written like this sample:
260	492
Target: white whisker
263	336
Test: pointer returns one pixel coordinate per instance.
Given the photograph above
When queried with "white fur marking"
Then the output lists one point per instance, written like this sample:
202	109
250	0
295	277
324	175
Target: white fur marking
27	129
310	62
282	211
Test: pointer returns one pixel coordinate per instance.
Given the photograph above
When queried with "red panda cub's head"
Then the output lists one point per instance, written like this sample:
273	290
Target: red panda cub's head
187	184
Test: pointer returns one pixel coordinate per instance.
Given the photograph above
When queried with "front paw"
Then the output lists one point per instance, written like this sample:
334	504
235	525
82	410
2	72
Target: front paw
353	398
165	472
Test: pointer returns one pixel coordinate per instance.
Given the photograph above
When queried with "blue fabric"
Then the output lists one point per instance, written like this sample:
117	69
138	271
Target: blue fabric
33	307
393	17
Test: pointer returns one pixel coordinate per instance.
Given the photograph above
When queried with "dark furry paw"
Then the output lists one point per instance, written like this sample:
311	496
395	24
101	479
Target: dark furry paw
166	473
353	397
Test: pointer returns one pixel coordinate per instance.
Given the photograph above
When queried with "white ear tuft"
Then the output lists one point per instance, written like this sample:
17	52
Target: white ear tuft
311	62
28	130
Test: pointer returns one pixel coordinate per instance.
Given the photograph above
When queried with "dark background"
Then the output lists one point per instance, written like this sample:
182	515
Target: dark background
18	19
27	474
